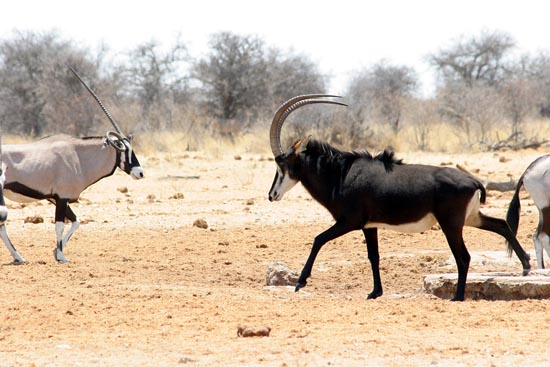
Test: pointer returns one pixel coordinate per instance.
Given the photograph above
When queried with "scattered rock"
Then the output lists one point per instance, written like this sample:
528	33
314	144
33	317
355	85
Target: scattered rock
493	285
151	198
177	196
250	202
238	157
35	219
123	189
186	360
251	331
279	274
200	223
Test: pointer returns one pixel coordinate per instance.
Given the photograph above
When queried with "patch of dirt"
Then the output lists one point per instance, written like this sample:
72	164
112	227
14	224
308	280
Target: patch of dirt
144	286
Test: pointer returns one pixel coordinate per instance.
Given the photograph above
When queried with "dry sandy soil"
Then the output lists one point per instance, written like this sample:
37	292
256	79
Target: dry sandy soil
144	287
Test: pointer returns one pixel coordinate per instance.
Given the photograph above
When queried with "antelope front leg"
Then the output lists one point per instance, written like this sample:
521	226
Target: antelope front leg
61	211
58	251
337	230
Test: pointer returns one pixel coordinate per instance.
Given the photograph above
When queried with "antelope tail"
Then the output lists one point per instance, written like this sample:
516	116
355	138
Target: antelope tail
512	215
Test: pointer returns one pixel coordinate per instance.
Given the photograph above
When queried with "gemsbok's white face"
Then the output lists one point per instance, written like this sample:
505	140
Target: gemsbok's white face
129	162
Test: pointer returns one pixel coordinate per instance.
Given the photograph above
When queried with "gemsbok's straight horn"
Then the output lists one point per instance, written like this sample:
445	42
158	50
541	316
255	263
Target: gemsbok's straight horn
58	168
365	192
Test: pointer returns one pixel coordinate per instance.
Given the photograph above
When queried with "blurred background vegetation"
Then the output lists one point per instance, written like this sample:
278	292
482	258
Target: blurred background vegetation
487	96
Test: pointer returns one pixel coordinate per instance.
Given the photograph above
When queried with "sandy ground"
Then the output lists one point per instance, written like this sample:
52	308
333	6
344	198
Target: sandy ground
144	287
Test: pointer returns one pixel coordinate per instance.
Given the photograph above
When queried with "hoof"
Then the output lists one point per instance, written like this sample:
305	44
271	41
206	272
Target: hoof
20	261
299	286
457	299
59	257
525	272
374	295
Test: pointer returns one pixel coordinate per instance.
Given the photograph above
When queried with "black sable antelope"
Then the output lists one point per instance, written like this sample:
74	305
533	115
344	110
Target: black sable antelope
59	168
368	192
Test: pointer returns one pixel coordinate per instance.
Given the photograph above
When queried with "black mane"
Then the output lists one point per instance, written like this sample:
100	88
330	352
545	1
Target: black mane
318	148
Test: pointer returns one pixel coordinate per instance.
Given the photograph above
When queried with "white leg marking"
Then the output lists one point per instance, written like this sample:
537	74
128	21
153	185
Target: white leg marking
538	250
74	227
17	259
3	213
58	252
541	241
545	242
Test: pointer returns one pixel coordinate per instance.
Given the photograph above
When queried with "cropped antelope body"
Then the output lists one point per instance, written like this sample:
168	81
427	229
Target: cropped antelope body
536	180
58	168
365	192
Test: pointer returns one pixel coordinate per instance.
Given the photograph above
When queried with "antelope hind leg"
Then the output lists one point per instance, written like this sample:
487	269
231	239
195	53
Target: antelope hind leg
17	259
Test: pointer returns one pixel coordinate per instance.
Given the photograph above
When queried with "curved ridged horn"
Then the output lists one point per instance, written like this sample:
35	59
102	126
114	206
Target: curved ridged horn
115	125
285	109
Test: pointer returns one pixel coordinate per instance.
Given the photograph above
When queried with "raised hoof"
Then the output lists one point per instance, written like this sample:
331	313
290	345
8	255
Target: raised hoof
299	286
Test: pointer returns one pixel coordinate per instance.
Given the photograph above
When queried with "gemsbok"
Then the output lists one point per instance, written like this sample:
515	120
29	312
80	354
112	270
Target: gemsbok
58	168
368	192
536	180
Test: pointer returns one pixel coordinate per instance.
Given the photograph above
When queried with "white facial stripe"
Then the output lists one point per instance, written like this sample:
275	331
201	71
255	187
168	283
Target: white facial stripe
283	184
3	213
128	150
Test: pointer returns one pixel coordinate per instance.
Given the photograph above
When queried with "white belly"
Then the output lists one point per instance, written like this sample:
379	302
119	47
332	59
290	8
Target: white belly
413	227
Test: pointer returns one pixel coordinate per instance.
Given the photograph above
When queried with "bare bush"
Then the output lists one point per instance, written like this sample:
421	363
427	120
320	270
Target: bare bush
473	60
38	93
381	92
423	116
473	111
156	80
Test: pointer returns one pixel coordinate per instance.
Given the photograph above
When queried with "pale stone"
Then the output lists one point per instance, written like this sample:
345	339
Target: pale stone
493	285
280	274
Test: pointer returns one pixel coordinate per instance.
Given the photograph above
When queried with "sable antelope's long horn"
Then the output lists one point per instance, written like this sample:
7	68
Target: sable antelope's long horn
115	125
285	109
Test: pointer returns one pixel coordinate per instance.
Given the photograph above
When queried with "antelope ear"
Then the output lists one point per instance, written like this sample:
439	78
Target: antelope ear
300	145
